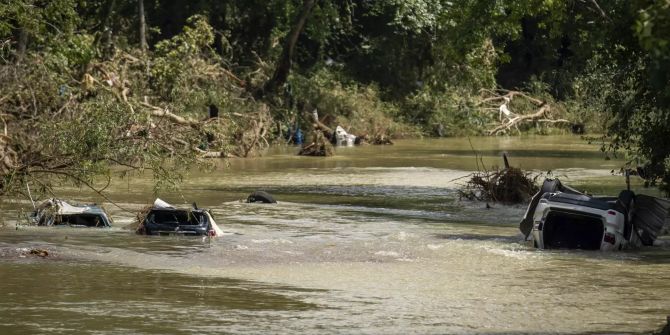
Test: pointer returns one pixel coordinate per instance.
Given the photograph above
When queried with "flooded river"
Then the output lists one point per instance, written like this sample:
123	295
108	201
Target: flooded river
371	241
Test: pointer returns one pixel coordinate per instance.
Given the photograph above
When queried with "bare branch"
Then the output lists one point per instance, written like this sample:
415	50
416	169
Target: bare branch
541	113
165	113
600	10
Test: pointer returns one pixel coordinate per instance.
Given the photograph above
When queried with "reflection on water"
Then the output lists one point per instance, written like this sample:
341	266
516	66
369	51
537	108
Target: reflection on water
373	240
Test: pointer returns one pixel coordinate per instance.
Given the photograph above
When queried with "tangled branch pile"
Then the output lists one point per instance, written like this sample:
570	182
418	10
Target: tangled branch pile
71	113
138	225
510	185
319	146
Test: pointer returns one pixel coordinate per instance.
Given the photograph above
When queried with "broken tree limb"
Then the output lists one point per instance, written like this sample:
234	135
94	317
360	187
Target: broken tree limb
496	96
541	113
510	119
213	154
318	125
553	121
164	112
173	117
599	10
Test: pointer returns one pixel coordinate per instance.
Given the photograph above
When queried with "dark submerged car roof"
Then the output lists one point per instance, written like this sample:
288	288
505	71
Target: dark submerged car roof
580	200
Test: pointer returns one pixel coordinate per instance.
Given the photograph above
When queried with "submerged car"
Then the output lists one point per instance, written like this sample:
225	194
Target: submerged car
560	217
164	219
56	212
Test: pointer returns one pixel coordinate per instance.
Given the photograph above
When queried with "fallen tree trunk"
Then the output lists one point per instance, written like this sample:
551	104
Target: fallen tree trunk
213	154
318	125
540	116
164	112
284	64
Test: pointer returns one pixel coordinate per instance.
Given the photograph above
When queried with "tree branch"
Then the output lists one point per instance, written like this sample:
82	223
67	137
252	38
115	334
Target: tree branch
537	116
165	113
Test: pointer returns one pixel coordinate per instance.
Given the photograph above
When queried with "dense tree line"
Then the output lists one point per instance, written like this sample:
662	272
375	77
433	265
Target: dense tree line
94	83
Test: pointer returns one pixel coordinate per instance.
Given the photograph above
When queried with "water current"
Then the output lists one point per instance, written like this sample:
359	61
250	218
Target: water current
372	241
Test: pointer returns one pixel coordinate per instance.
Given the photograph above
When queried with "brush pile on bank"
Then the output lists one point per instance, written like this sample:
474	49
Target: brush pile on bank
510	186
319	146
358	109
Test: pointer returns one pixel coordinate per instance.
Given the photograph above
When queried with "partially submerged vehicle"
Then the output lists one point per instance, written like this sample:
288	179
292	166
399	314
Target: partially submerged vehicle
164	219
560	217
56	212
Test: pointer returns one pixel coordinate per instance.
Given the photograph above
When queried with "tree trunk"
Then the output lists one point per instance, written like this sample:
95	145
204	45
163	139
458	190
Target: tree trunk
22	45
288	49
107	46
143	26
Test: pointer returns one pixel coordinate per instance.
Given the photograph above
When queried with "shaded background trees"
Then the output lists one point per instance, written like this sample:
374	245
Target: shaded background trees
390	66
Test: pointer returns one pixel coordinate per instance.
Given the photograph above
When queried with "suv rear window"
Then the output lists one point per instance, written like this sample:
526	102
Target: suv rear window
173	217
87	220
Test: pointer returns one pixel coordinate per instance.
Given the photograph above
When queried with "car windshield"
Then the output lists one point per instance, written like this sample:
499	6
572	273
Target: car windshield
173	217
88	220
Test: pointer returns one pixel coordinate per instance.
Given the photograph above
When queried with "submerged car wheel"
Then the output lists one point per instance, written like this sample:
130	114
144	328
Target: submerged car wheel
626	205
260	196
549	186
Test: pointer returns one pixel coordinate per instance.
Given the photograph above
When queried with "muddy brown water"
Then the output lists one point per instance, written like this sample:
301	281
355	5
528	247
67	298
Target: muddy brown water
371	241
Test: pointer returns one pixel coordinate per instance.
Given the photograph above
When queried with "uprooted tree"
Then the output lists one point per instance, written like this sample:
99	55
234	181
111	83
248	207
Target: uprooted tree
499	100
127	113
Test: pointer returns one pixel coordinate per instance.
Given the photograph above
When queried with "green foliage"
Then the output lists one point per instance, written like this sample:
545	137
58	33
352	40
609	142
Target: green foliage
357	108
653	28
44	20
452	113
177	57
371	66
76	51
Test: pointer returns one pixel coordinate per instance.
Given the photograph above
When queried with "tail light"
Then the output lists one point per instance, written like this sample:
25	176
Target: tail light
609	238
211	233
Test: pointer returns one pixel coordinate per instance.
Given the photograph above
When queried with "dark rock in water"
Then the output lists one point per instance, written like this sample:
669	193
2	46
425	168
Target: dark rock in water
261	196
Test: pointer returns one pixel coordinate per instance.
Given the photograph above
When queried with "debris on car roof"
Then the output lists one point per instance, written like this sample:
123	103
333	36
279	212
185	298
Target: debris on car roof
56	212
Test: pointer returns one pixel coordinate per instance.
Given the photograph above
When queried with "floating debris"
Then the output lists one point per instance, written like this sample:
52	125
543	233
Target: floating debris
320	146
510	185
39	252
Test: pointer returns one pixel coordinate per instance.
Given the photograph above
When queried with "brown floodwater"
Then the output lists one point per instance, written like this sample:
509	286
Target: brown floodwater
372	241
